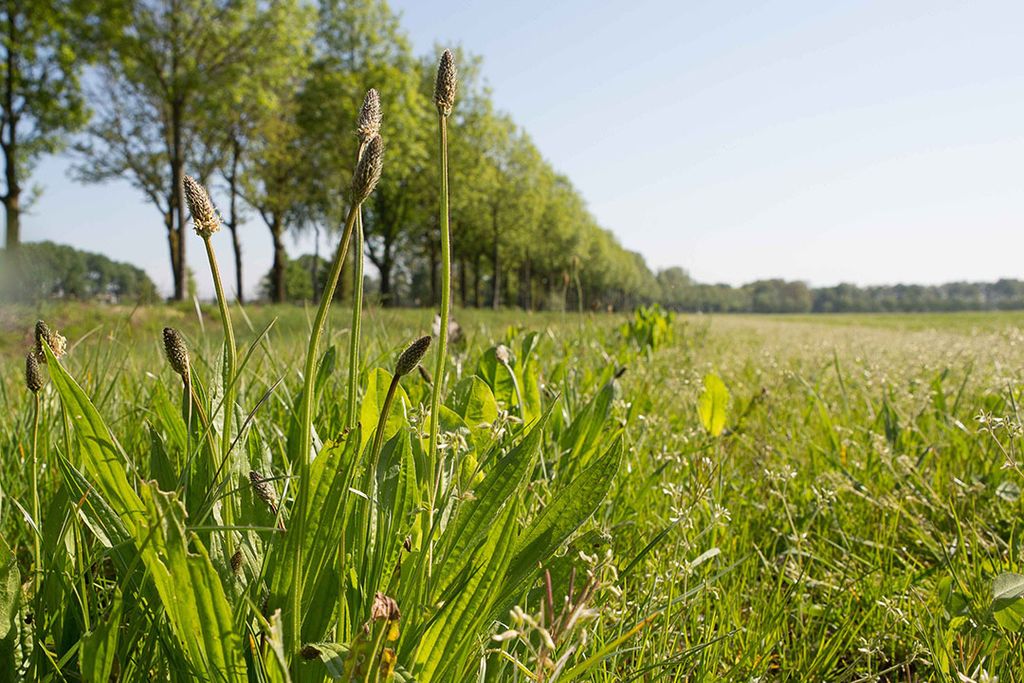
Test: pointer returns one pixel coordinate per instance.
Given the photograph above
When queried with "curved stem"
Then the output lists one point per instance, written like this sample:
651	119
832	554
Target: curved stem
357	312
37	532
230	386
442	336
293	623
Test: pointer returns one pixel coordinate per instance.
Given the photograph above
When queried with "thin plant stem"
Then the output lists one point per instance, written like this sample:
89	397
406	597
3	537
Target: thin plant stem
35	489
382	421
36	540
230	361
357	312
442	335
305	430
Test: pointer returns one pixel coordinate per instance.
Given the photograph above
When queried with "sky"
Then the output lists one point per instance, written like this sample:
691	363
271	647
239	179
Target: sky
836	141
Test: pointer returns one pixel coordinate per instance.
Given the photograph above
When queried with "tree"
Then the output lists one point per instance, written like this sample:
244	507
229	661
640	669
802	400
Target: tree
264	83
44	46
360	45
160	79
276	182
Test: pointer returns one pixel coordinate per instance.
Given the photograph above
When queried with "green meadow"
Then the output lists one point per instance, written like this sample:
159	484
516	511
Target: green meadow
698	498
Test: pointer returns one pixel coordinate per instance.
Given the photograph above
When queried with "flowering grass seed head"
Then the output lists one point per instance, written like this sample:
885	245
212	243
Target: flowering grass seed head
369	117
204	217
368	169
177	352
412	356
446	84
33	373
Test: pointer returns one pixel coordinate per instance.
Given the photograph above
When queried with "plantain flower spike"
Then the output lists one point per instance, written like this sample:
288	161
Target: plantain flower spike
204	217
446	84
177	352
369	117
263	490
368	170
412	356
55	340
33	373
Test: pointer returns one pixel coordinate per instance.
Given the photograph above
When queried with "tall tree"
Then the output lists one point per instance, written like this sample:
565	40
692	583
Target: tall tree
160	79
276	181
265	84
360	45
44	44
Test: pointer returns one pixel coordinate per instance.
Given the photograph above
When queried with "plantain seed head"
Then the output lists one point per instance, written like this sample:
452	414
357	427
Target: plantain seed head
368	170
204	217
33	373
446	84
55	340
177	352
369	117
384	607
263	490
412	356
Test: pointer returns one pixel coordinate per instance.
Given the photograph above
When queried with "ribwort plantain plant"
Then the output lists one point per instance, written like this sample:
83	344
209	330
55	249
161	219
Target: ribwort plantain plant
364	180
444	99
367	128
388	569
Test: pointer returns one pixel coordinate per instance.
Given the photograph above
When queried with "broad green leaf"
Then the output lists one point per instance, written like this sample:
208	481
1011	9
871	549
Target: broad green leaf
445	649
474	518
373	401
713	404
491	371
330	478
570	508
189	588
10	590
103	460
586	433
1007	606
100	645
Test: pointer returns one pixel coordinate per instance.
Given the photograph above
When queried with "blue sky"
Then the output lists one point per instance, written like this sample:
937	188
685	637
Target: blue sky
827	141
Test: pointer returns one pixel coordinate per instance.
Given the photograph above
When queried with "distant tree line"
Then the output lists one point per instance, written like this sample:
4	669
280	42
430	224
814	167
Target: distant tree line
677	291
44	270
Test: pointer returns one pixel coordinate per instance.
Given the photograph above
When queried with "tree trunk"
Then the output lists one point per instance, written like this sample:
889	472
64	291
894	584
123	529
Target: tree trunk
177	200
476	280
280	258
172	244
236	152
462	280
495	263
385	280
12	198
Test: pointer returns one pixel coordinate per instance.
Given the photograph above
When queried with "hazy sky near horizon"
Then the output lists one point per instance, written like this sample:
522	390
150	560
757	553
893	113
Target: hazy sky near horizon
839	141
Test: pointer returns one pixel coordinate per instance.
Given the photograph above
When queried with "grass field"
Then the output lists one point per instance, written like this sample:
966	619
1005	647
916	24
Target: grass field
842	516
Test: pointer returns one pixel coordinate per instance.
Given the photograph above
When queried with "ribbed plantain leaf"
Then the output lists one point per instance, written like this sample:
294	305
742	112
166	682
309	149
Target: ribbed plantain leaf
102	459
446	647
474	518
569	509
330	478
100	645
189	588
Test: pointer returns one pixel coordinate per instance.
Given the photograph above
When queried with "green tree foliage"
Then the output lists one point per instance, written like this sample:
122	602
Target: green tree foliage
43	47
159	81
44	270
